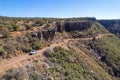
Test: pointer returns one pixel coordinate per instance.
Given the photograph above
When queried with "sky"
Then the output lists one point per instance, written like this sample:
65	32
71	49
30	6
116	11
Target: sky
101	9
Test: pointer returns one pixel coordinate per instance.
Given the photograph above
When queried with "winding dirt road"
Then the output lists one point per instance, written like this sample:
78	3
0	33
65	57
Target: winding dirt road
16	60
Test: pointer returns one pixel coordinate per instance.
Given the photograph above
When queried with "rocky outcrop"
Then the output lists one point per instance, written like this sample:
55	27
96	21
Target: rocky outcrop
71	26
47	34
59	26
111	25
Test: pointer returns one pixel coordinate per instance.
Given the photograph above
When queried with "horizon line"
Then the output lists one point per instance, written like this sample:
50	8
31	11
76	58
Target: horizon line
59	17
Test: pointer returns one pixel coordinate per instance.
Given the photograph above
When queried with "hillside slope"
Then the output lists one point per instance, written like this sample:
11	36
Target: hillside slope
108	49
112	25
67	49
67	61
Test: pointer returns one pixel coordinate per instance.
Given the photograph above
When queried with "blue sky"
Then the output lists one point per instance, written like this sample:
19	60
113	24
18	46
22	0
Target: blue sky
101	9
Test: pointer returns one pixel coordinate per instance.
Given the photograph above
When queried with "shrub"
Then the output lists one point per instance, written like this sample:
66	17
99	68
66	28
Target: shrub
40	22
26	48
15	27
36	45
13	74
28	26
35	76
5	32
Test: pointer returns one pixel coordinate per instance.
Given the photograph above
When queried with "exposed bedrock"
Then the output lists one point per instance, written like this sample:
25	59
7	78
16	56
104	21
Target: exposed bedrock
48	34
71	26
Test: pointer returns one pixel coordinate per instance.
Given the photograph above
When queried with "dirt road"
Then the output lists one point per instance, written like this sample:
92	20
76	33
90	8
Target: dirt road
16	60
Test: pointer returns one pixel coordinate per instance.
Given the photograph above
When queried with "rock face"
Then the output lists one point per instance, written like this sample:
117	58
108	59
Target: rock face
111	25
47	34
59	26
71	26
